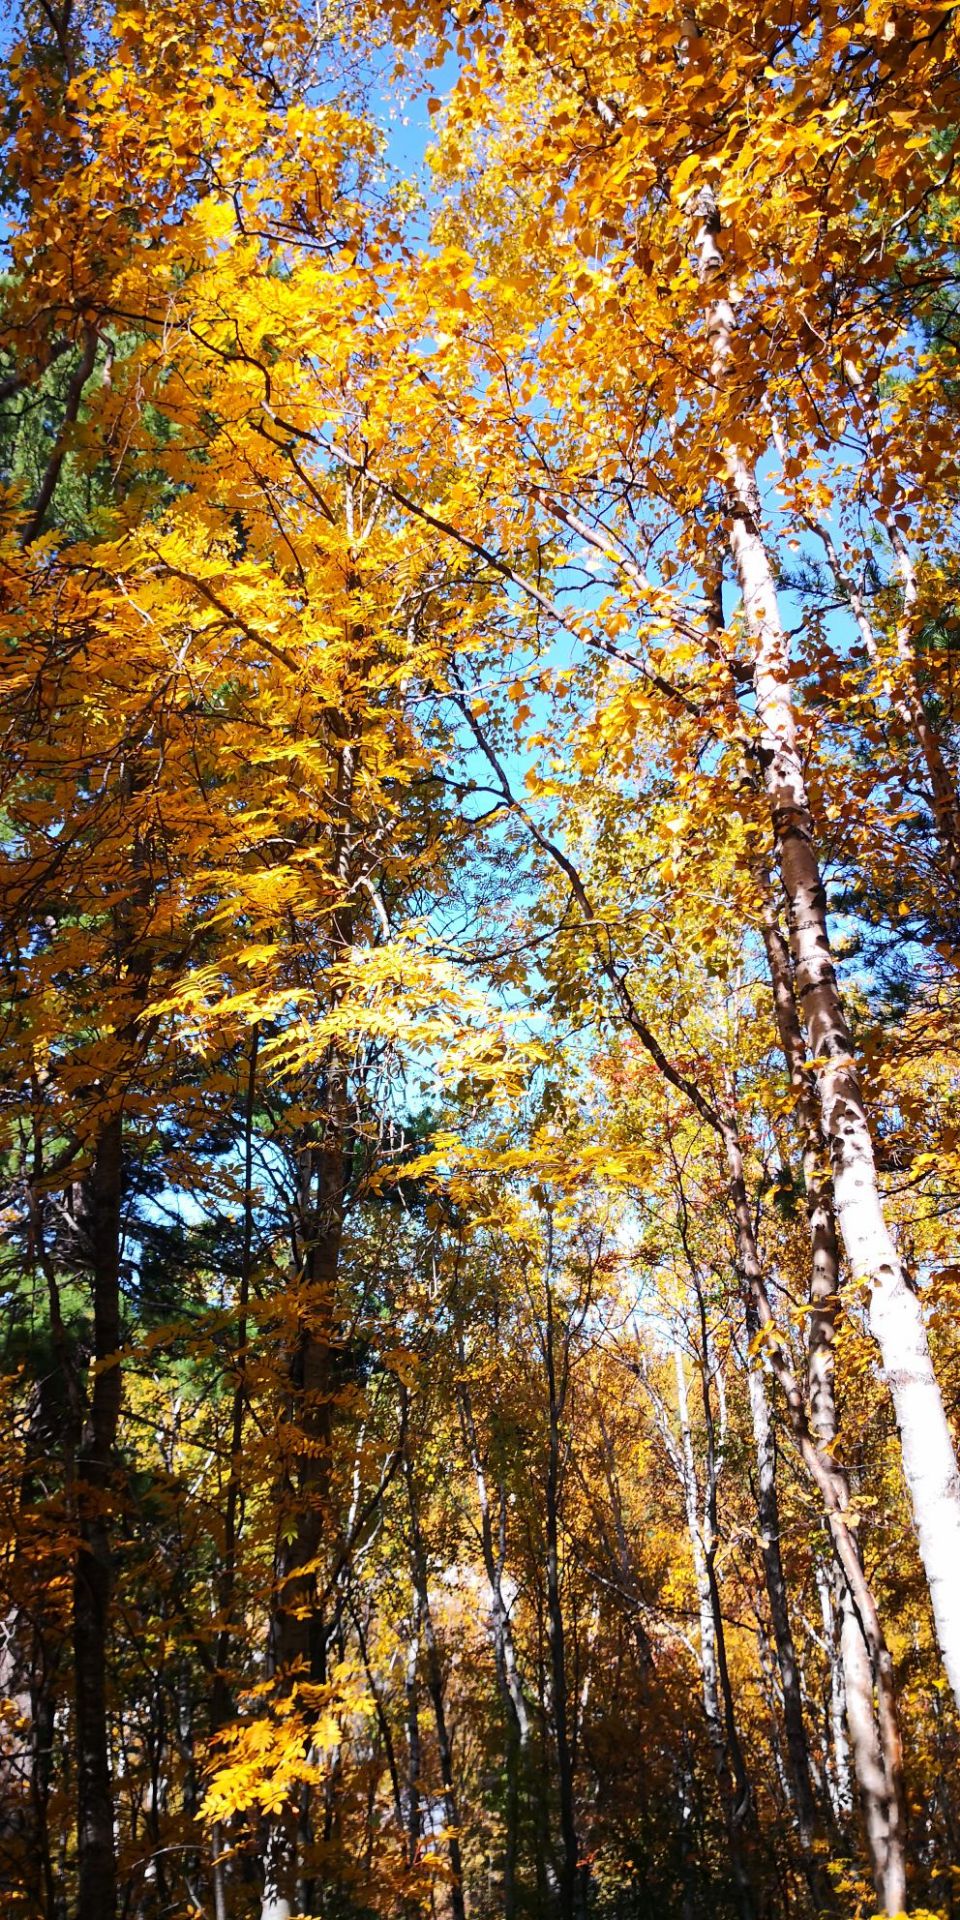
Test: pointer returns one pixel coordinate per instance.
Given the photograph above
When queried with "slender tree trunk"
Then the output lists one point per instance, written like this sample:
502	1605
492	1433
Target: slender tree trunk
414	1758
547	1879
824	1286
297	1630
877	1770
908	696
822	1468
93	1569
29	1656
516	1715
729	1764
809	1826
555	1627
829	1477
836	1752
222	1694
896	1316
297	1640
511	1847
435	1689
493	1561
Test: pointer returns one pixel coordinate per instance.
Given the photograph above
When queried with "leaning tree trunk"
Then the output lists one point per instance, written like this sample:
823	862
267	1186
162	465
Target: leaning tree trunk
836	1752
896	1316
414	1759
877	1780
829	1477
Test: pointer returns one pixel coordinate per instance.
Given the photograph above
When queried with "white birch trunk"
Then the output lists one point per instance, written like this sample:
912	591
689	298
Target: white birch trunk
838	1758
708	1643
896	1316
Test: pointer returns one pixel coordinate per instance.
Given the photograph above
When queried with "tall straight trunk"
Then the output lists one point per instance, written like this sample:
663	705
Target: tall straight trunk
516	1714
896	1316
93	1570
414	1758
98	1413
505	1656
511	1847
297	1645
30	1654
809	1825
729	1763
830	1590
221	1700
296	1637
547	1878
435	1689
556	1634
824	1285
623	1555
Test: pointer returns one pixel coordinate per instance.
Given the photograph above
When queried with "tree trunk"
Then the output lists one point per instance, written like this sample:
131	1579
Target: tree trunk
516	1714
222	1693
836	1752
829	1477
96	1860
896	1316
296	1638
908	699
435	1690
877	1781
556	1636
809	1826
297	1629
414	1760
729	1764
493	1560
824	1287
30	1643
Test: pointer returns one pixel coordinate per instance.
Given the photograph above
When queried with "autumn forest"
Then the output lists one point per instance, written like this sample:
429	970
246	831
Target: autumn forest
480	966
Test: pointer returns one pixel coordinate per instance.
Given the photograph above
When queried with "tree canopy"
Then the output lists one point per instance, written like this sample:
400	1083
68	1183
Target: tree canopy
480	998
